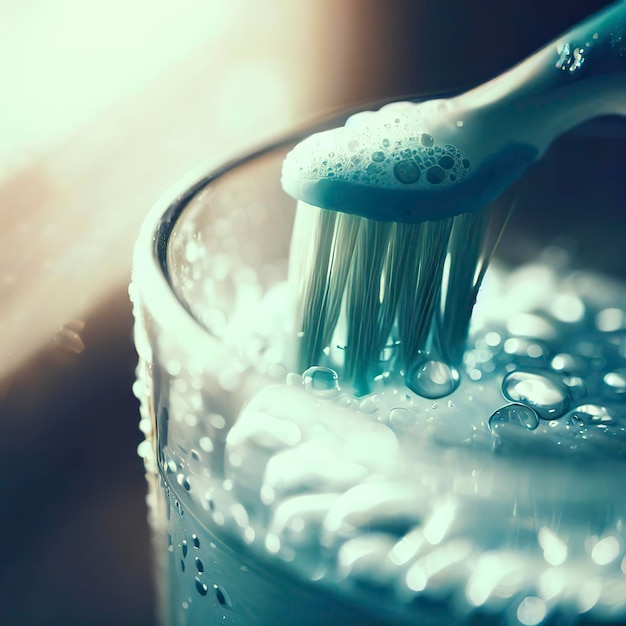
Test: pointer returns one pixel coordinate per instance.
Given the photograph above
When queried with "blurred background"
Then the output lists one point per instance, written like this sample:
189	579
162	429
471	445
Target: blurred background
103	106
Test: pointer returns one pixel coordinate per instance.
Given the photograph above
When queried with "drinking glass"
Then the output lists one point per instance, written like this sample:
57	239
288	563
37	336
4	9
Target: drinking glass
279	497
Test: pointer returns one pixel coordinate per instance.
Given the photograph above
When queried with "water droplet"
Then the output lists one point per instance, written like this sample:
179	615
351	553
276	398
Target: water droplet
222	596
570	59
591	415
199	565
370	404
574	419
547	395
321	381
182	565
183	481
378	156
208	497
432	379
201	587
516	414
401	418
179	509
184	548
196	541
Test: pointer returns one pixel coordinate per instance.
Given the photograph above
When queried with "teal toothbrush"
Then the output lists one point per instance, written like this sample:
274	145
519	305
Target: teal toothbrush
390	240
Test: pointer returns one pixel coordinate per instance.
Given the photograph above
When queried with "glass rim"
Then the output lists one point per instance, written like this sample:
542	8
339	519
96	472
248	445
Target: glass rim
150	279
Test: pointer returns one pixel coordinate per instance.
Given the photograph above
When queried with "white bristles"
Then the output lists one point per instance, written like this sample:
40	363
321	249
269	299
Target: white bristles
367	286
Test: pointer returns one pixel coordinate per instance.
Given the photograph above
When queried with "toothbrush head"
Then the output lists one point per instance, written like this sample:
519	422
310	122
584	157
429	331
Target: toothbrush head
407	162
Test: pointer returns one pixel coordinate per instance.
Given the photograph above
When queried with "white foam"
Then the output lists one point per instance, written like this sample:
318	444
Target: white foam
417	161
392	148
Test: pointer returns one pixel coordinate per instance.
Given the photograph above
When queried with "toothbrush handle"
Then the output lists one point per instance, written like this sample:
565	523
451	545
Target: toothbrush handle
578	76
596	46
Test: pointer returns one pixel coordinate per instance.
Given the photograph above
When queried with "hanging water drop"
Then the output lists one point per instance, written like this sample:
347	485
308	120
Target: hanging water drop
432	379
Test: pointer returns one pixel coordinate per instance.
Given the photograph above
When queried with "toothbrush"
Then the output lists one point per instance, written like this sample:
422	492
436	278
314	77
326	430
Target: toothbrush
394	209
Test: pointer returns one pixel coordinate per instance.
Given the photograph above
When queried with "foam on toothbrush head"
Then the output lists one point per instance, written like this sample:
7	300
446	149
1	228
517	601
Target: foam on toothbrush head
406	162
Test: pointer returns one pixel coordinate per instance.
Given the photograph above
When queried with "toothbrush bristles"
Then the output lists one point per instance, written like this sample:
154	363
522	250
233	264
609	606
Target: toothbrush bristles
365	288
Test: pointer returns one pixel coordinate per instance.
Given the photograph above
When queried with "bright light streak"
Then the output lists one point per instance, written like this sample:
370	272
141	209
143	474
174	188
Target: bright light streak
109	105
70	60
